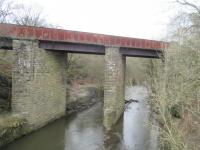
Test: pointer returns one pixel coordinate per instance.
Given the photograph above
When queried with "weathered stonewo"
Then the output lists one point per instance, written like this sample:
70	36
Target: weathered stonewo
113	86
38	83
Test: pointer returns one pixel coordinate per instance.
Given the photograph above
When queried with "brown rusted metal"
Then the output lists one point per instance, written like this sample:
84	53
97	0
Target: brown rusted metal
50	34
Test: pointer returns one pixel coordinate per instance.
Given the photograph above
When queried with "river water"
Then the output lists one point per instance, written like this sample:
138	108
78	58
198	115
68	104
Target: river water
84	130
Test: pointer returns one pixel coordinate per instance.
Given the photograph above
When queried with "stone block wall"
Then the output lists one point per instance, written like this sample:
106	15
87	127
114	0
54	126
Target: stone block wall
113	86
38	83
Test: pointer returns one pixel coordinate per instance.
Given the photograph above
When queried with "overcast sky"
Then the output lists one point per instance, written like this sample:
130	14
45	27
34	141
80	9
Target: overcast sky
132	18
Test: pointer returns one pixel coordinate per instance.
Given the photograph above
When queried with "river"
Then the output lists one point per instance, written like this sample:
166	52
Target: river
84	130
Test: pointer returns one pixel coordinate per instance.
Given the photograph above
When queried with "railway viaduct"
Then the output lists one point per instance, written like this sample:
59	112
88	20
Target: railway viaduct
38	72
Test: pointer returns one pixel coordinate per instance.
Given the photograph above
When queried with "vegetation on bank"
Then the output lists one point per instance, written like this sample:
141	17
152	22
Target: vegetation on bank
10	127
176	98
175	87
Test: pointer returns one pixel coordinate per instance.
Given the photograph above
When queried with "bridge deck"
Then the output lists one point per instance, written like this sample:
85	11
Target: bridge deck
80	42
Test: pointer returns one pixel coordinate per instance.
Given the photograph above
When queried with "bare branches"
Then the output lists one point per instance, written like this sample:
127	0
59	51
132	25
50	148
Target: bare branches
29	15
186	3
21	14
189	21
6	10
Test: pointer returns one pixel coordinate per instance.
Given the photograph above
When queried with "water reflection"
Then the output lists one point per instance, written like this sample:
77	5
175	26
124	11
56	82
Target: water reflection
84	130
136	134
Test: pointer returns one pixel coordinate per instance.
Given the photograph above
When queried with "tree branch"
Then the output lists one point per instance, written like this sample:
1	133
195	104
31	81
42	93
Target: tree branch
186	3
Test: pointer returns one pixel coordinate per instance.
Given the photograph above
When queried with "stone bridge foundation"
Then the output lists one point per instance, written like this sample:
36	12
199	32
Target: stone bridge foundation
38	83
113	86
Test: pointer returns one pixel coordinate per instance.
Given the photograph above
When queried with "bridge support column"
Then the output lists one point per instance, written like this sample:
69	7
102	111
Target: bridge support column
38	83
113	86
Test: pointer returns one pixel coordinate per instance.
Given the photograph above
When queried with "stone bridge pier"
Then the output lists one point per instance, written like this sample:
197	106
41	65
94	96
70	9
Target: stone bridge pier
38	76
114	86
38	83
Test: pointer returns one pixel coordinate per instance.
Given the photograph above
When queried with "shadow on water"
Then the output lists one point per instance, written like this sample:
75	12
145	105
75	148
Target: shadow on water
84	130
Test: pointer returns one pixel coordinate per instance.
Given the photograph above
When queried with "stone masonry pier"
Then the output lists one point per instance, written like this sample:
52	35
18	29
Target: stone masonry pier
39	84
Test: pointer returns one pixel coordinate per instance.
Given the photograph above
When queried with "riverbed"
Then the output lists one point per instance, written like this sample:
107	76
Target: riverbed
84	130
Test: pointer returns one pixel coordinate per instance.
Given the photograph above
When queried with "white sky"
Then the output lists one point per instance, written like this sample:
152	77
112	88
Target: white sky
132	18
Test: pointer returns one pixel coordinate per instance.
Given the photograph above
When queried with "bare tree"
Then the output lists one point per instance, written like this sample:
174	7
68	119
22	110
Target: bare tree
30	16
190	19
6	10
190	4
